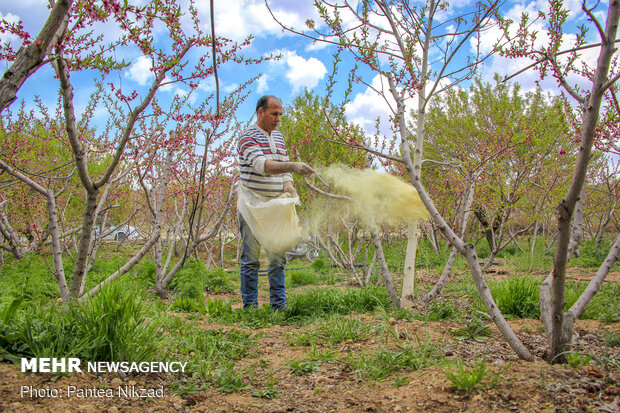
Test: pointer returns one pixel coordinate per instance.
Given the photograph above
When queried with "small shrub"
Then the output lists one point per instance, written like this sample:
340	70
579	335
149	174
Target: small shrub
188	305
338	330
218	308
217	280
410	355
190	280
146	272
325	302
612	339
476	330
326	354
301	368
111	326
590	256
604	306
576	360
194	279
439	311
468	378
227	380
116	320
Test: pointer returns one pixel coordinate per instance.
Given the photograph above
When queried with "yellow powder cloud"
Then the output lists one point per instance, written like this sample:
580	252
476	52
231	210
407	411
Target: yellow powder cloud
376	198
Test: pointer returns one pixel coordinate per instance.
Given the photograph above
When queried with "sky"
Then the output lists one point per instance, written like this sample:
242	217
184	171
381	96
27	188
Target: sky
304	64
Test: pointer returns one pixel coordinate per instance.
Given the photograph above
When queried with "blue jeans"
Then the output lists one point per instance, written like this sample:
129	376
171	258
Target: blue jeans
250	250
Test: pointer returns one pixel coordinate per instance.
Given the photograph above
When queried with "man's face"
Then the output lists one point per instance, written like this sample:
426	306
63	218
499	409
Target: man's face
269	118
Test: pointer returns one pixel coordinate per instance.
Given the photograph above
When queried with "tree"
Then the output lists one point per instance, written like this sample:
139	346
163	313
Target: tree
555	58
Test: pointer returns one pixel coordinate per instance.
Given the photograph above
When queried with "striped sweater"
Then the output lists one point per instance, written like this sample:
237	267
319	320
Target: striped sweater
254	147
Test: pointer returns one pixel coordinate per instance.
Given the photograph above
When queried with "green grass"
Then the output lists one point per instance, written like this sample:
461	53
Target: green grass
29	278
410	355
333	331
323	302
591	257
194	279
114	325
302	276
438	311
211	354
303	367
303	308
517	297
604	306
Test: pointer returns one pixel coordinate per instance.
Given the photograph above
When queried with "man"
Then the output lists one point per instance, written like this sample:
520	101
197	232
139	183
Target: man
266	171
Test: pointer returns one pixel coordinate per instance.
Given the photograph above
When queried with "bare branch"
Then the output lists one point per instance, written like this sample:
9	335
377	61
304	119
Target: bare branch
30	58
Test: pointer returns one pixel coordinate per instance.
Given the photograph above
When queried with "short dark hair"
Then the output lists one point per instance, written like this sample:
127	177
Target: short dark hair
263	102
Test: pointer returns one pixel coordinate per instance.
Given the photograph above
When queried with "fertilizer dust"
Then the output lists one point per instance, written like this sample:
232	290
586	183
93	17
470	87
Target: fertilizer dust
377	199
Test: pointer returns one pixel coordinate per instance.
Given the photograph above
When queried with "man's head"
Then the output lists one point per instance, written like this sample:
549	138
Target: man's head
268	112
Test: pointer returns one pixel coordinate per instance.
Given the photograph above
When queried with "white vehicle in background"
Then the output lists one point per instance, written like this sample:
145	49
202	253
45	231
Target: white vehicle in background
124	232
119	233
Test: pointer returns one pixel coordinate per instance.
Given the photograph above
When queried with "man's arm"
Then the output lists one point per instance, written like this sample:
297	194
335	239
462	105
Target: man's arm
300	168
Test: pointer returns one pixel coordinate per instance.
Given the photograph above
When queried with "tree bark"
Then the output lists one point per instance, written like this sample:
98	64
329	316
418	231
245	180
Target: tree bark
576	227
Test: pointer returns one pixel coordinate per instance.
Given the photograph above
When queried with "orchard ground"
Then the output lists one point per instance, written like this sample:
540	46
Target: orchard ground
440	359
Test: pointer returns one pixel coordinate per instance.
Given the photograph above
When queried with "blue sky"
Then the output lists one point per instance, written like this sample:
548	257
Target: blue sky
304	64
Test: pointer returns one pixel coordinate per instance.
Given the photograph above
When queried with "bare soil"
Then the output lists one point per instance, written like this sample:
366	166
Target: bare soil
534	386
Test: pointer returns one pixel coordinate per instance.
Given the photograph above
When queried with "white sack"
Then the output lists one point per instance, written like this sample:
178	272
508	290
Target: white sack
273	221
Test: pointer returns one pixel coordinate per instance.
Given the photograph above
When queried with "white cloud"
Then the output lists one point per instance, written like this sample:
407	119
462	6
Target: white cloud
316	45
377	102
303	73
208	85
230	88
182	92
167	87
367	106
262	84
140	70
238	19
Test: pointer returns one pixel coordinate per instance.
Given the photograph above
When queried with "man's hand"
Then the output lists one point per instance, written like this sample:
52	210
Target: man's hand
302	169
289	188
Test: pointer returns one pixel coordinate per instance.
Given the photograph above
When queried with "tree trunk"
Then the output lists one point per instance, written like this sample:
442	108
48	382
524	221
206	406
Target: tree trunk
387	278
407	293
577	227
81	259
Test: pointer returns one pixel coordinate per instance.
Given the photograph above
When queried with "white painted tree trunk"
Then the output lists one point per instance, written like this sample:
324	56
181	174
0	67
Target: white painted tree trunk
407	294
